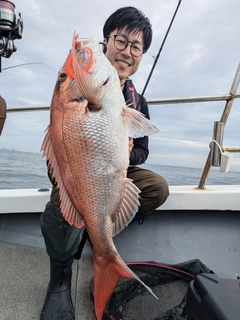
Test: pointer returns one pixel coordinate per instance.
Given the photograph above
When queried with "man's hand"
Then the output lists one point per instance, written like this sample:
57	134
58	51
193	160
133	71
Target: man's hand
130	146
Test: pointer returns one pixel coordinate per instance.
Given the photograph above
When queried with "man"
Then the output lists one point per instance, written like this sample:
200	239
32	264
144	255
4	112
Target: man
127	35
3	110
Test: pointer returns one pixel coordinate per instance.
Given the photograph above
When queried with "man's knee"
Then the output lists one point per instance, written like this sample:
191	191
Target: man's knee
162	191
159	192
51	216
154	193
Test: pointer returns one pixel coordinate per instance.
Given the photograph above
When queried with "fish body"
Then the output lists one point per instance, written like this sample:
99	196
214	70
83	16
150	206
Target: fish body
86	146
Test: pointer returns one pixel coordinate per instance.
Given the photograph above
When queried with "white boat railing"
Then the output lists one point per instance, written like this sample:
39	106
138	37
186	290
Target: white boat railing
220	97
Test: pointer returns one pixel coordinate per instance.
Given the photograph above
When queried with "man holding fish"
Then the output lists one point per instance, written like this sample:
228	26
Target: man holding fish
95	134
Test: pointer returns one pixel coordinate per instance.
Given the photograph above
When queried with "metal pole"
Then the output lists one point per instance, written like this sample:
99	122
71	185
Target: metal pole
205	171
149	102
218	133
233	91
160	49
224	118
219	97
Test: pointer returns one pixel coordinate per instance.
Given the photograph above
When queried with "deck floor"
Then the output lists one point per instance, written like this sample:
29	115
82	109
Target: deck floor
167	237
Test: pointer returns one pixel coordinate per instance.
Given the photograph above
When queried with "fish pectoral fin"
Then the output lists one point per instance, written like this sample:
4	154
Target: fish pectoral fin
128	209
137	124
68	210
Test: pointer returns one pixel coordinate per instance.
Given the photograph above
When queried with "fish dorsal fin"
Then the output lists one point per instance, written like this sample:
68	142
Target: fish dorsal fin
129	207
137	124
68	210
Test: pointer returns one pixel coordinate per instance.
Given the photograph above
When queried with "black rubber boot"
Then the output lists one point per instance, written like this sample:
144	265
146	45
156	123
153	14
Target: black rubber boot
140	216
58	302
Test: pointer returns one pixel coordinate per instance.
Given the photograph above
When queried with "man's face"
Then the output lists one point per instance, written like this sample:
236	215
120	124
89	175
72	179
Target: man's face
124	62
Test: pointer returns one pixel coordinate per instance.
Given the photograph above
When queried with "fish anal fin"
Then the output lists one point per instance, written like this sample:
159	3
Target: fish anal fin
106	275
137	124
129	207
68	210
70	214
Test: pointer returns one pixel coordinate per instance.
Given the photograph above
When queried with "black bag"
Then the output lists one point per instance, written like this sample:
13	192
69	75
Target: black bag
131	301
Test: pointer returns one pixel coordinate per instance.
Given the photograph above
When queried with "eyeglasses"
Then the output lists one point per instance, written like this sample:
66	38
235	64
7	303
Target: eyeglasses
121	42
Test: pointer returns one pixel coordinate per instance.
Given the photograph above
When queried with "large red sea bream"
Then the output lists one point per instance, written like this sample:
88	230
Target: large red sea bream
86	146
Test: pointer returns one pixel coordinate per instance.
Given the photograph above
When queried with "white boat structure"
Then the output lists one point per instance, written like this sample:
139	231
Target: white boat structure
200	222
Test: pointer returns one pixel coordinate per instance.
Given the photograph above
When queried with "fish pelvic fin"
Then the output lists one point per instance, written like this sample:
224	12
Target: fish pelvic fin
68	210
137	124
106	275
128	209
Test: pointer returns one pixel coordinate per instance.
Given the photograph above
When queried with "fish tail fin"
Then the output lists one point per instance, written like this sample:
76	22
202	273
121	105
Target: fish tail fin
137	124
106	275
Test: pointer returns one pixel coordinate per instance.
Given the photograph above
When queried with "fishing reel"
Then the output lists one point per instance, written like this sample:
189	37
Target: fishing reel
10	29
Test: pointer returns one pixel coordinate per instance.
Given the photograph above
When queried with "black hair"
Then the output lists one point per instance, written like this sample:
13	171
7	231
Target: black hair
131	18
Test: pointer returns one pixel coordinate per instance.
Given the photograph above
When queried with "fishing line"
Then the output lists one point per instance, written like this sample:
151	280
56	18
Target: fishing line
24	64
159	52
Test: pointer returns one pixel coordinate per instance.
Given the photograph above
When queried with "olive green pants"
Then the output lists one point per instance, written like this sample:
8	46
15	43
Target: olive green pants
62	239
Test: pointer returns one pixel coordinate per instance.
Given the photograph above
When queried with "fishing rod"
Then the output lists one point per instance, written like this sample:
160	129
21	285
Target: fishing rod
159	52
10	29
27	63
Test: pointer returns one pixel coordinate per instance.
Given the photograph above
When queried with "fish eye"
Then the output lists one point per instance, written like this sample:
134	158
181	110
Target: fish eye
62	76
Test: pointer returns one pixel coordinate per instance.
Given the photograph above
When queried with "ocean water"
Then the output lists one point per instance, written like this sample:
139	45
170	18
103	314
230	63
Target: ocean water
23	170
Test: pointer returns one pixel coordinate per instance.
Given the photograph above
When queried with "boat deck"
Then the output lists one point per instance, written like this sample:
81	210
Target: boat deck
168	236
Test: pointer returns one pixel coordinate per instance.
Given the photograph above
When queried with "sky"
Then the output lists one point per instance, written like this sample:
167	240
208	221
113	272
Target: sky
200	57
